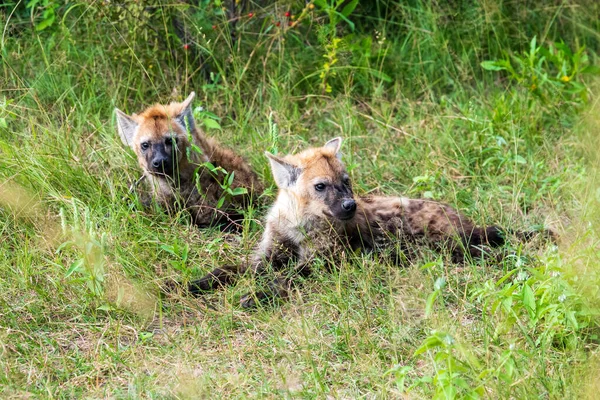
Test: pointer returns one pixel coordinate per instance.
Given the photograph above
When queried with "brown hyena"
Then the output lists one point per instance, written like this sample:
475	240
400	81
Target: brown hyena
317	214
186	169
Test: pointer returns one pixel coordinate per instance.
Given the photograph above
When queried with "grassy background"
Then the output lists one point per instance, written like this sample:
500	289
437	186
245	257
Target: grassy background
403	83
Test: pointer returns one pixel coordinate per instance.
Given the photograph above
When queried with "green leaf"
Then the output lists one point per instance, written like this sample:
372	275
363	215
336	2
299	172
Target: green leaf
347	10
75	266
528	298
238	191
168	249
380	75
342	16
429	265
572	320
431	342
211	123
430	302
320	3
533	46
48	20
493	65
591	69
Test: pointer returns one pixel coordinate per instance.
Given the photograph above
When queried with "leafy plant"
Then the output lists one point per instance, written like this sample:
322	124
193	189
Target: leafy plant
89	267
457	371
548	71
48	9
540	301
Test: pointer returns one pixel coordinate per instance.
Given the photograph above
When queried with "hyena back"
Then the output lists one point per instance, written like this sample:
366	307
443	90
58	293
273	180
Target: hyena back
317	214
177	172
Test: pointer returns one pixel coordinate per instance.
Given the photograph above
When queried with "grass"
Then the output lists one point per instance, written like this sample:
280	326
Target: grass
82	264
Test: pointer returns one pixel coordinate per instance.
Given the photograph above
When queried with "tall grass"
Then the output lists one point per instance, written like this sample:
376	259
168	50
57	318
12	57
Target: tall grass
81	309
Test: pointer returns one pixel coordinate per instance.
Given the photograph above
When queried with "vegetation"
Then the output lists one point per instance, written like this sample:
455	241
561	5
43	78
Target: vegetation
487	105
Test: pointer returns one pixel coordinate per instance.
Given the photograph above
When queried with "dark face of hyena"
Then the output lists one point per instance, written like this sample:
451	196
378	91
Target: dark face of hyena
335	192
158	136
161	155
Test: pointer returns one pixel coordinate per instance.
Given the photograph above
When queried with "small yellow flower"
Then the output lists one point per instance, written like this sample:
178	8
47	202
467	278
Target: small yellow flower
565	78
311	6
150	66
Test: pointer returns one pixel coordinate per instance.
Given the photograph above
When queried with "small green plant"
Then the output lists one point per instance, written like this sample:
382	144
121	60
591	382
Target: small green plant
331	59
48	9
456	371
548	71
540	301
89	266
181	253
337	11
6	114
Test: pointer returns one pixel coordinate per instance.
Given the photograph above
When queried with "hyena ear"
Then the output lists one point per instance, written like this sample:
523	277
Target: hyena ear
335	145
185	116
126	127
285	174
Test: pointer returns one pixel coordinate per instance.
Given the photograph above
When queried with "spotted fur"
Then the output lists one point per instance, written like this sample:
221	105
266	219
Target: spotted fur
177	173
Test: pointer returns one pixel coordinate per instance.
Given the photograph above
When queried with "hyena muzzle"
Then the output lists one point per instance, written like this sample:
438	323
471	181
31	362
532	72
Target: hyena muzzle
317	214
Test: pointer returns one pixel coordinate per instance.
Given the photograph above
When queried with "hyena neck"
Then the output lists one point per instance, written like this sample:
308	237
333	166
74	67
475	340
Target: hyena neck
285	214
205	144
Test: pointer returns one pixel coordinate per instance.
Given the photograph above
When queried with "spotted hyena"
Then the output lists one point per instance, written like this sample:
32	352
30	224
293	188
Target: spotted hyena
317	214
186	169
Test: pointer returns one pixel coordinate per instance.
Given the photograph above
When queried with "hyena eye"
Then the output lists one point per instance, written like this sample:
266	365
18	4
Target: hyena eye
346	181
145	146
319	187
169	141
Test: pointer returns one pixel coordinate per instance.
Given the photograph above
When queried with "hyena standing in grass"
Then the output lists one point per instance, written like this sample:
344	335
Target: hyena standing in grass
175	164
317	214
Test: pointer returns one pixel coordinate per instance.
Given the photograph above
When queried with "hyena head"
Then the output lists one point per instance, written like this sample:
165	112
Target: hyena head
316	181
159	136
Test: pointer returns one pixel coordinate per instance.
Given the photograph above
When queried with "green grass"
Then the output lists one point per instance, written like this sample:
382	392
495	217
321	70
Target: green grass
81	314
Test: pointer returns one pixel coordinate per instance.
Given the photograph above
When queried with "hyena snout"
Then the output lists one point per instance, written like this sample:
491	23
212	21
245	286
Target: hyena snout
349	205
160	161
162	164
347	209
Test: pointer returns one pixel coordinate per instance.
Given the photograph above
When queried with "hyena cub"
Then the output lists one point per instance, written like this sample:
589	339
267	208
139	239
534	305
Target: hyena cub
317	214
175	164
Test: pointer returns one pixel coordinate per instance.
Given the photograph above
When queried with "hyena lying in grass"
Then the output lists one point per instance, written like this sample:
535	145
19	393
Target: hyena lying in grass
175	164
316	214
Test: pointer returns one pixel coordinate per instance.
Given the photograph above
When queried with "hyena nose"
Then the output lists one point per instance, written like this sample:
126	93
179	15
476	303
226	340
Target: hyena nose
349	205
159	162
